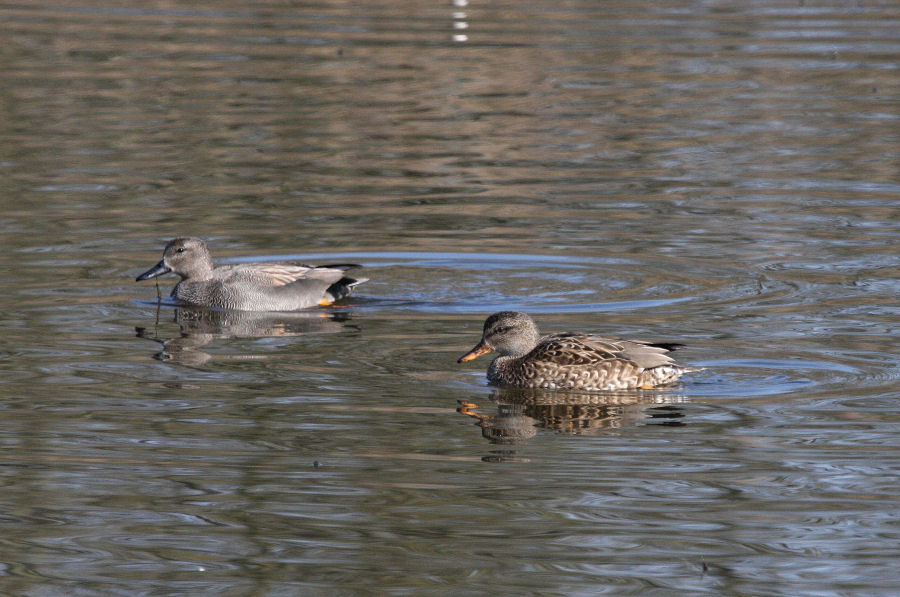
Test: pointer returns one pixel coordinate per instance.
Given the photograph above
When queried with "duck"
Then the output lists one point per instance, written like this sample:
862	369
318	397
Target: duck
571	360
248	287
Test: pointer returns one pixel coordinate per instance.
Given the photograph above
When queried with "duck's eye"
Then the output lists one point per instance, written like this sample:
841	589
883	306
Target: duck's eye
180	250
500	330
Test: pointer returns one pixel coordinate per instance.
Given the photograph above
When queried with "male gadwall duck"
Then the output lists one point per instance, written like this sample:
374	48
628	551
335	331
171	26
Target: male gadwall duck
570	361
248	287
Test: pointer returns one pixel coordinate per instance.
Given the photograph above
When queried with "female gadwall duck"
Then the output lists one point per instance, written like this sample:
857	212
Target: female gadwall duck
570	361
248	287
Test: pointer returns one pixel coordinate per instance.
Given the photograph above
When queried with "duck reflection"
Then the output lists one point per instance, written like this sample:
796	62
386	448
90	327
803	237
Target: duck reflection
201	326
521	413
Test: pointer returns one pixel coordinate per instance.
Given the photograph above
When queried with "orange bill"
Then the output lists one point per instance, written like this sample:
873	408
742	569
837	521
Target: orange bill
480	349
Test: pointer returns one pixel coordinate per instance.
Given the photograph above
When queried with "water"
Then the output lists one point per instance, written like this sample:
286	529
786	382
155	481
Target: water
718	174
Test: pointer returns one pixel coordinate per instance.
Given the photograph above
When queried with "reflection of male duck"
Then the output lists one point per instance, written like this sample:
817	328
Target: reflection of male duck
201	326
520	413
570	361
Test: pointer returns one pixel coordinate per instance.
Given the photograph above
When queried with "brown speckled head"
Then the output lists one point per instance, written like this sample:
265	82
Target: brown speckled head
508	333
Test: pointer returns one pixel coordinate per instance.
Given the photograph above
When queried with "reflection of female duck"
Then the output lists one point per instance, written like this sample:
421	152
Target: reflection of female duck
522	412
570	361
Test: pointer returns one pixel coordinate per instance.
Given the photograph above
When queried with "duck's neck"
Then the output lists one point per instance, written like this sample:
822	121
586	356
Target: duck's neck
520	345
202	270
500	366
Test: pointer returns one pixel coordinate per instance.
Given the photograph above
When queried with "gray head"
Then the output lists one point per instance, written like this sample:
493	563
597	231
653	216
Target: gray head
509	333
185	257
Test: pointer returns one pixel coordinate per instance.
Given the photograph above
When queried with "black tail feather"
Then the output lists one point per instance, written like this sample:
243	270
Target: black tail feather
344	286
670	346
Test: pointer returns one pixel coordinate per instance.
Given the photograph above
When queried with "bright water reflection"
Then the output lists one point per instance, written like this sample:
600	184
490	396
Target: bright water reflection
722	175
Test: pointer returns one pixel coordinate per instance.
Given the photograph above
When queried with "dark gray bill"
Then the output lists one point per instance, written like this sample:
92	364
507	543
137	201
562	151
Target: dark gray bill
157	270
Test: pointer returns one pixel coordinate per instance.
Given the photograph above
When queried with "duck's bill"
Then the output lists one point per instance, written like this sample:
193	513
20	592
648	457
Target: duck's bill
480	349
157	270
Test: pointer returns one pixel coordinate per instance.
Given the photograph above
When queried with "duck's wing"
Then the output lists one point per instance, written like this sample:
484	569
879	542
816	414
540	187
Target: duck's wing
588	350
280	274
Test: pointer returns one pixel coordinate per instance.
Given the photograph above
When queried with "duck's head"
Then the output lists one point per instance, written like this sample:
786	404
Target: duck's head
185	257
508	333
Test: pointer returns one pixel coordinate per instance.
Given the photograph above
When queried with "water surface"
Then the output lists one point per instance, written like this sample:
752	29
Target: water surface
718	174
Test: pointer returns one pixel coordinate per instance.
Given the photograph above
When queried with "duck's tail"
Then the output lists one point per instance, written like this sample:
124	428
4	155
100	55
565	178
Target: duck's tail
343	287
340	266
667	346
